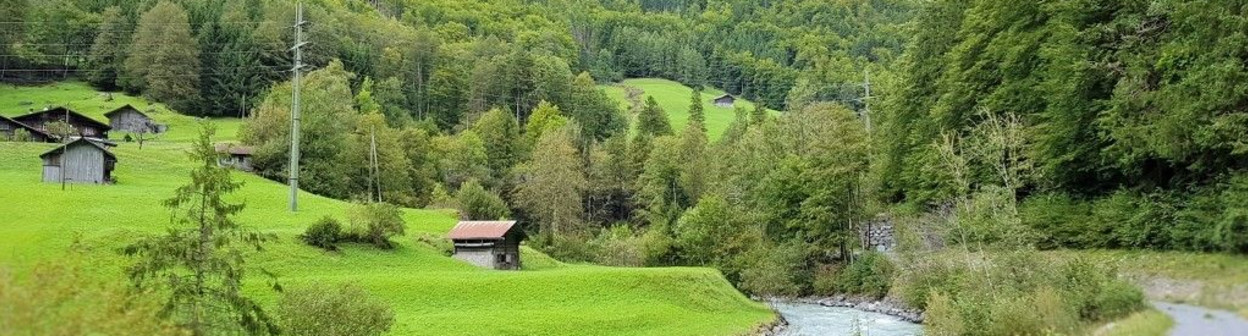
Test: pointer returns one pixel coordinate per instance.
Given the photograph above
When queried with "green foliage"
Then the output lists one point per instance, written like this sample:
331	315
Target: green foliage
325	234
1014	293
164	61
870	274
108	53
21	135
56	299
199	265
697	114
376	224
500	135
552	185
652	121
341	310
772	270
476	203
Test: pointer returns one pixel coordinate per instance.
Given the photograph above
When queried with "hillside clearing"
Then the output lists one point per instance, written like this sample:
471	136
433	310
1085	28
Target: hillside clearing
429	292
674	97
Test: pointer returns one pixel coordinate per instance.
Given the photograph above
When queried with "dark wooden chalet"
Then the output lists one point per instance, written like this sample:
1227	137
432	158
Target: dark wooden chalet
86	126
130	119
490	244
726	100
80	161
10	127
234	156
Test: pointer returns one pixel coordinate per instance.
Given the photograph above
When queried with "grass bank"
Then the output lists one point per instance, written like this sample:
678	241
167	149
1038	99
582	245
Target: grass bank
430	293
674	98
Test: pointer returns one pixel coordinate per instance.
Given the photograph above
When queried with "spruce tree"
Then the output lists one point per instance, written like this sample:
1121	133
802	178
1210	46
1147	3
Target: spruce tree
164	60
697	114
759	115
652	120
199	263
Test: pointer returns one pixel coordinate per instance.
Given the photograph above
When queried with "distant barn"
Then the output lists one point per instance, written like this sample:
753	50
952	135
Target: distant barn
80	161
86	126
726	100
9	129
234	156
489	244
130	119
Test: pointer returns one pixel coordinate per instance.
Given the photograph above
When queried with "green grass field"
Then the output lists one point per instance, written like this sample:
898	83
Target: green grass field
431	294
674	97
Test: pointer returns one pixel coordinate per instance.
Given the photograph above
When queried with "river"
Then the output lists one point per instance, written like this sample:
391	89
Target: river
816	320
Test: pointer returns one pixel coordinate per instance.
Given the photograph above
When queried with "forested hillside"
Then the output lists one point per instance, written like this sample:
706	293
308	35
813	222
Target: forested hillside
983	130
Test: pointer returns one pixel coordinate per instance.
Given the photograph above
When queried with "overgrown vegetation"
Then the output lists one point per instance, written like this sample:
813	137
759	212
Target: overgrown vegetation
325	234
341	310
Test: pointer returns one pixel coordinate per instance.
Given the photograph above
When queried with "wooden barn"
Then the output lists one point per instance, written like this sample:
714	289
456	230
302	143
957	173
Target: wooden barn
234	156
726	100
490	244
80	161
130	119
86	126
10	127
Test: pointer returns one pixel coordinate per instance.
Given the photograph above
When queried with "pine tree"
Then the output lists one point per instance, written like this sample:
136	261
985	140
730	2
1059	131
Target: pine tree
697	113
108	52
164	60
652	120
200	262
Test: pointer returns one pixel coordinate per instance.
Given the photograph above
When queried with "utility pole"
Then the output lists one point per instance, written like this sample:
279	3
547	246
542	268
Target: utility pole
294	113
866	100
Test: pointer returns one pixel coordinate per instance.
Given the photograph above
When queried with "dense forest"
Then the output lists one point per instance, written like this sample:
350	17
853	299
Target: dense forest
1046	124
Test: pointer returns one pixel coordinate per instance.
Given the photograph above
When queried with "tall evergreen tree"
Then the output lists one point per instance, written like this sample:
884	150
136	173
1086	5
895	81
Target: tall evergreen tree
652	120
164	59
697	113
200	263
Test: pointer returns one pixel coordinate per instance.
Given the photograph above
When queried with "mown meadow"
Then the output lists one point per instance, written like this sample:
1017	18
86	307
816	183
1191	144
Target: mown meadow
674	98
429	292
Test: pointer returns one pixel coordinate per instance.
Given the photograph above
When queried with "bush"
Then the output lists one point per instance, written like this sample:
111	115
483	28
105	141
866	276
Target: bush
1115	299
871	275
375	223
54	299
325	233
345	310
476	203
439	243
772	270
619	246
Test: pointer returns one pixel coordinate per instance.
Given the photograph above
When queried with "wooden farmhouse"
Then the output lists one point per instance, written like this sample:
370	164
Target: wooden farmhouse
234	156
726	100
130	119
9	129
80	161
86	126
489	244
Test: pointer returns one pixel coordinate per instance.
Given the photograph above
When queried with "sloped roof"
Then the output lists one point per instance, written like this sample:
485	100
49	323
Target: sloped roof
33	115
28	127
125	108
229	148
728	96
61	149
481	229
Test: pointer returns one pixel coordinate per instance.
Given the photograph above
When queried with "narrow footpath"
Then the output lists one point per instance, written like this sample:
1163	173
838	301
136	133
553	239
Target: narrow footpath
1199	321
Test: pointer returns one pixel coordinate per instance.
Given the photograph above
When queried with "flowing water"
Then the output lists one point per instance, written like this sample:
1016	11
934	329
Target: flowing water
815	320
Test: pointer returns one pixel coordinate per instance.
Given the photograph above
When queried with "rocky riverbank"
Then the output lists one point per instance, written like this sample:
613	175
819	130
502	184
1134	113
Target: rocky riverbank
775	328
886	306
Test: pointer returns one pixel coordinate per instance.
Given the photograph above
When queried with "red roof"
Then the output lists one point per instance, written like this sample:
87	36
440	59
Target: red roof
481	229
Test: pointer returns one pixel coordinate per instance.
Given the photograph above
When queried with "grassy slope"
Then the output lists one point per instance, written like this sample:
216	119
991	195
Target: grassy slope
430	293
674	98
1144	323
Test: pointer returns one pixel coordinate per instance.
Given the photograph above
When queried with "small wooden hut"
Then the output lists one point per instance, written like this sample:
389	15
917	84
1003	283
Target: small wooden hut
726	100
234	156
86	126
130	119
9	129
490	244
80	161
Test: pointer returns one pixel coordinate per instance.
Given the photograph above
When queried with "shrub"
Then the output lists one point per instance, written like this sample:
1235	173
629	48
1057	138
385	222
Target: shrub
22	135
1114	299
619	246
871	274
375	223
438	243
772	270
53	299
344	310
476	203
325	233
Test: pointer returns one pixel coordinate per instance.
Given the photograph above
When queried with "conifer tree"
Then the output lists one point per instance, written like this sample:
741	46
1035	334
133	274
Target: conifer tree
164	60
697	114
653	120
759	115
199	263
